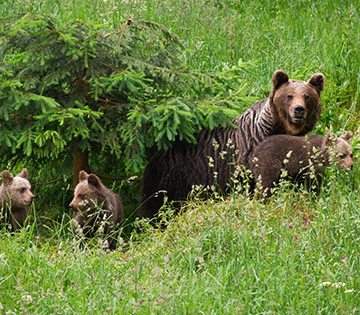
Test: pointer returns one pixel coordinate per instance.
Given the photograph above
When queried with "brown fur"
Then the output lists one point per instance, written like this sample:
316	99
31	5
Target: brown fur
16	197
293	107
93	205
309	156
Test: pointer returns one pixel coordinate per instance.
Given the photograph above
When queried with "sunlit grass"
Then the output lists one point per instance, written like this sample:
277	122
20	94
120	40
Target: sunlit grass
299	253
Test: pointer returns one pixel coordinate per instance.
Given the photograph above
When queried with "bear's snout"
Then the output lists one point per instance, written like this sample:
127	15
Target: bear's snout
27	201
32	198
346	168
299	113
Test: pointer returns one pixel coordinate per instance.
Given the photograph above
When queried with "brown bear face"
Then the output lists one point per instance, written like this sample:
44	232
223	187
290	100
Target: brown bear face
18	189
88	197
297	102
342	152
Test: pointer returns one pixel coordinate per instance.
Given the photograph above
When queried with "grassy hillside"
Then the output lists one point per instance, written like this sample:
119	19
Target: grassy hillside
295	255
298	254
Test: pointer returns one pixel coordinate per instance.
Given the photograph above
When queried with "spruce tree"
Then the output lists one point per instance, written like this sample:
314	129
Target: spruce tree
74	89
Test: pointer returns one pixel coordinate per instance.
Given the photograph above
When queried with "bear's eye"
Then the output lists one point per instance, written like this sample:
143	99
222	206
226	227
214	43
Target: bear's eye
82	196
343	156
22	190
306	97
289	97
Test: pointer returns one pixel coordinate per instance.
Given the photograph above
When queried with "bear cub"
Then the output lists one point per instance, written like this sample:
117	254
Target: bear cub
95	206
302	159
16	197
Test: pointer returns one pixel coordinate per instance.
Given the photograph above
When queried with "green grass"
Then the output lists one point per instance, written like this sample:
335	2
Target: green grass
295	255
237	256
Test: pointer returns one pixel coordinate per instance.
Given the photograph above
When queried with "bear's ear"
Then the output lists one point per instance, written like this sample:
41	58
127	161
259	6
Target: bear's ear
279	78
94	180
330	139
348	135
23	174
317	81
83	176
7	178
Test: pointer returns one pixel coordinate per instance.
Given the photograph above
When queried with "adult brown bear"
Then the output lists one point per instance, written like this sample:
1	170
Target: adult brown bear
293	107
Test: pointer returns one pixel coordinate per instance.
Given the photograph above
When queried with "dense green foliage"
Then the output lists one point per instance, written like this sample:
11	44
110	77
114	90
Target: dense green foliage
83	87
298	254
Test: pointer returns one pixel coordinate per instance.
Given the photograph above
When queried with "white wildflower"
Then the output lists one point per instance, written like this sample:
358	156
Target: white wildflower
77	227
325	284
350	290
200	260
27	298
215	144
284	173
222	154
211	161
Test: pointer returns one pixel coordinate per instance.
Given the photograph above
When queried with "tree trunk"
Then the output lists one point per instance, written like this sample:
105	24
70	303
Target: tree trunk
81	162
